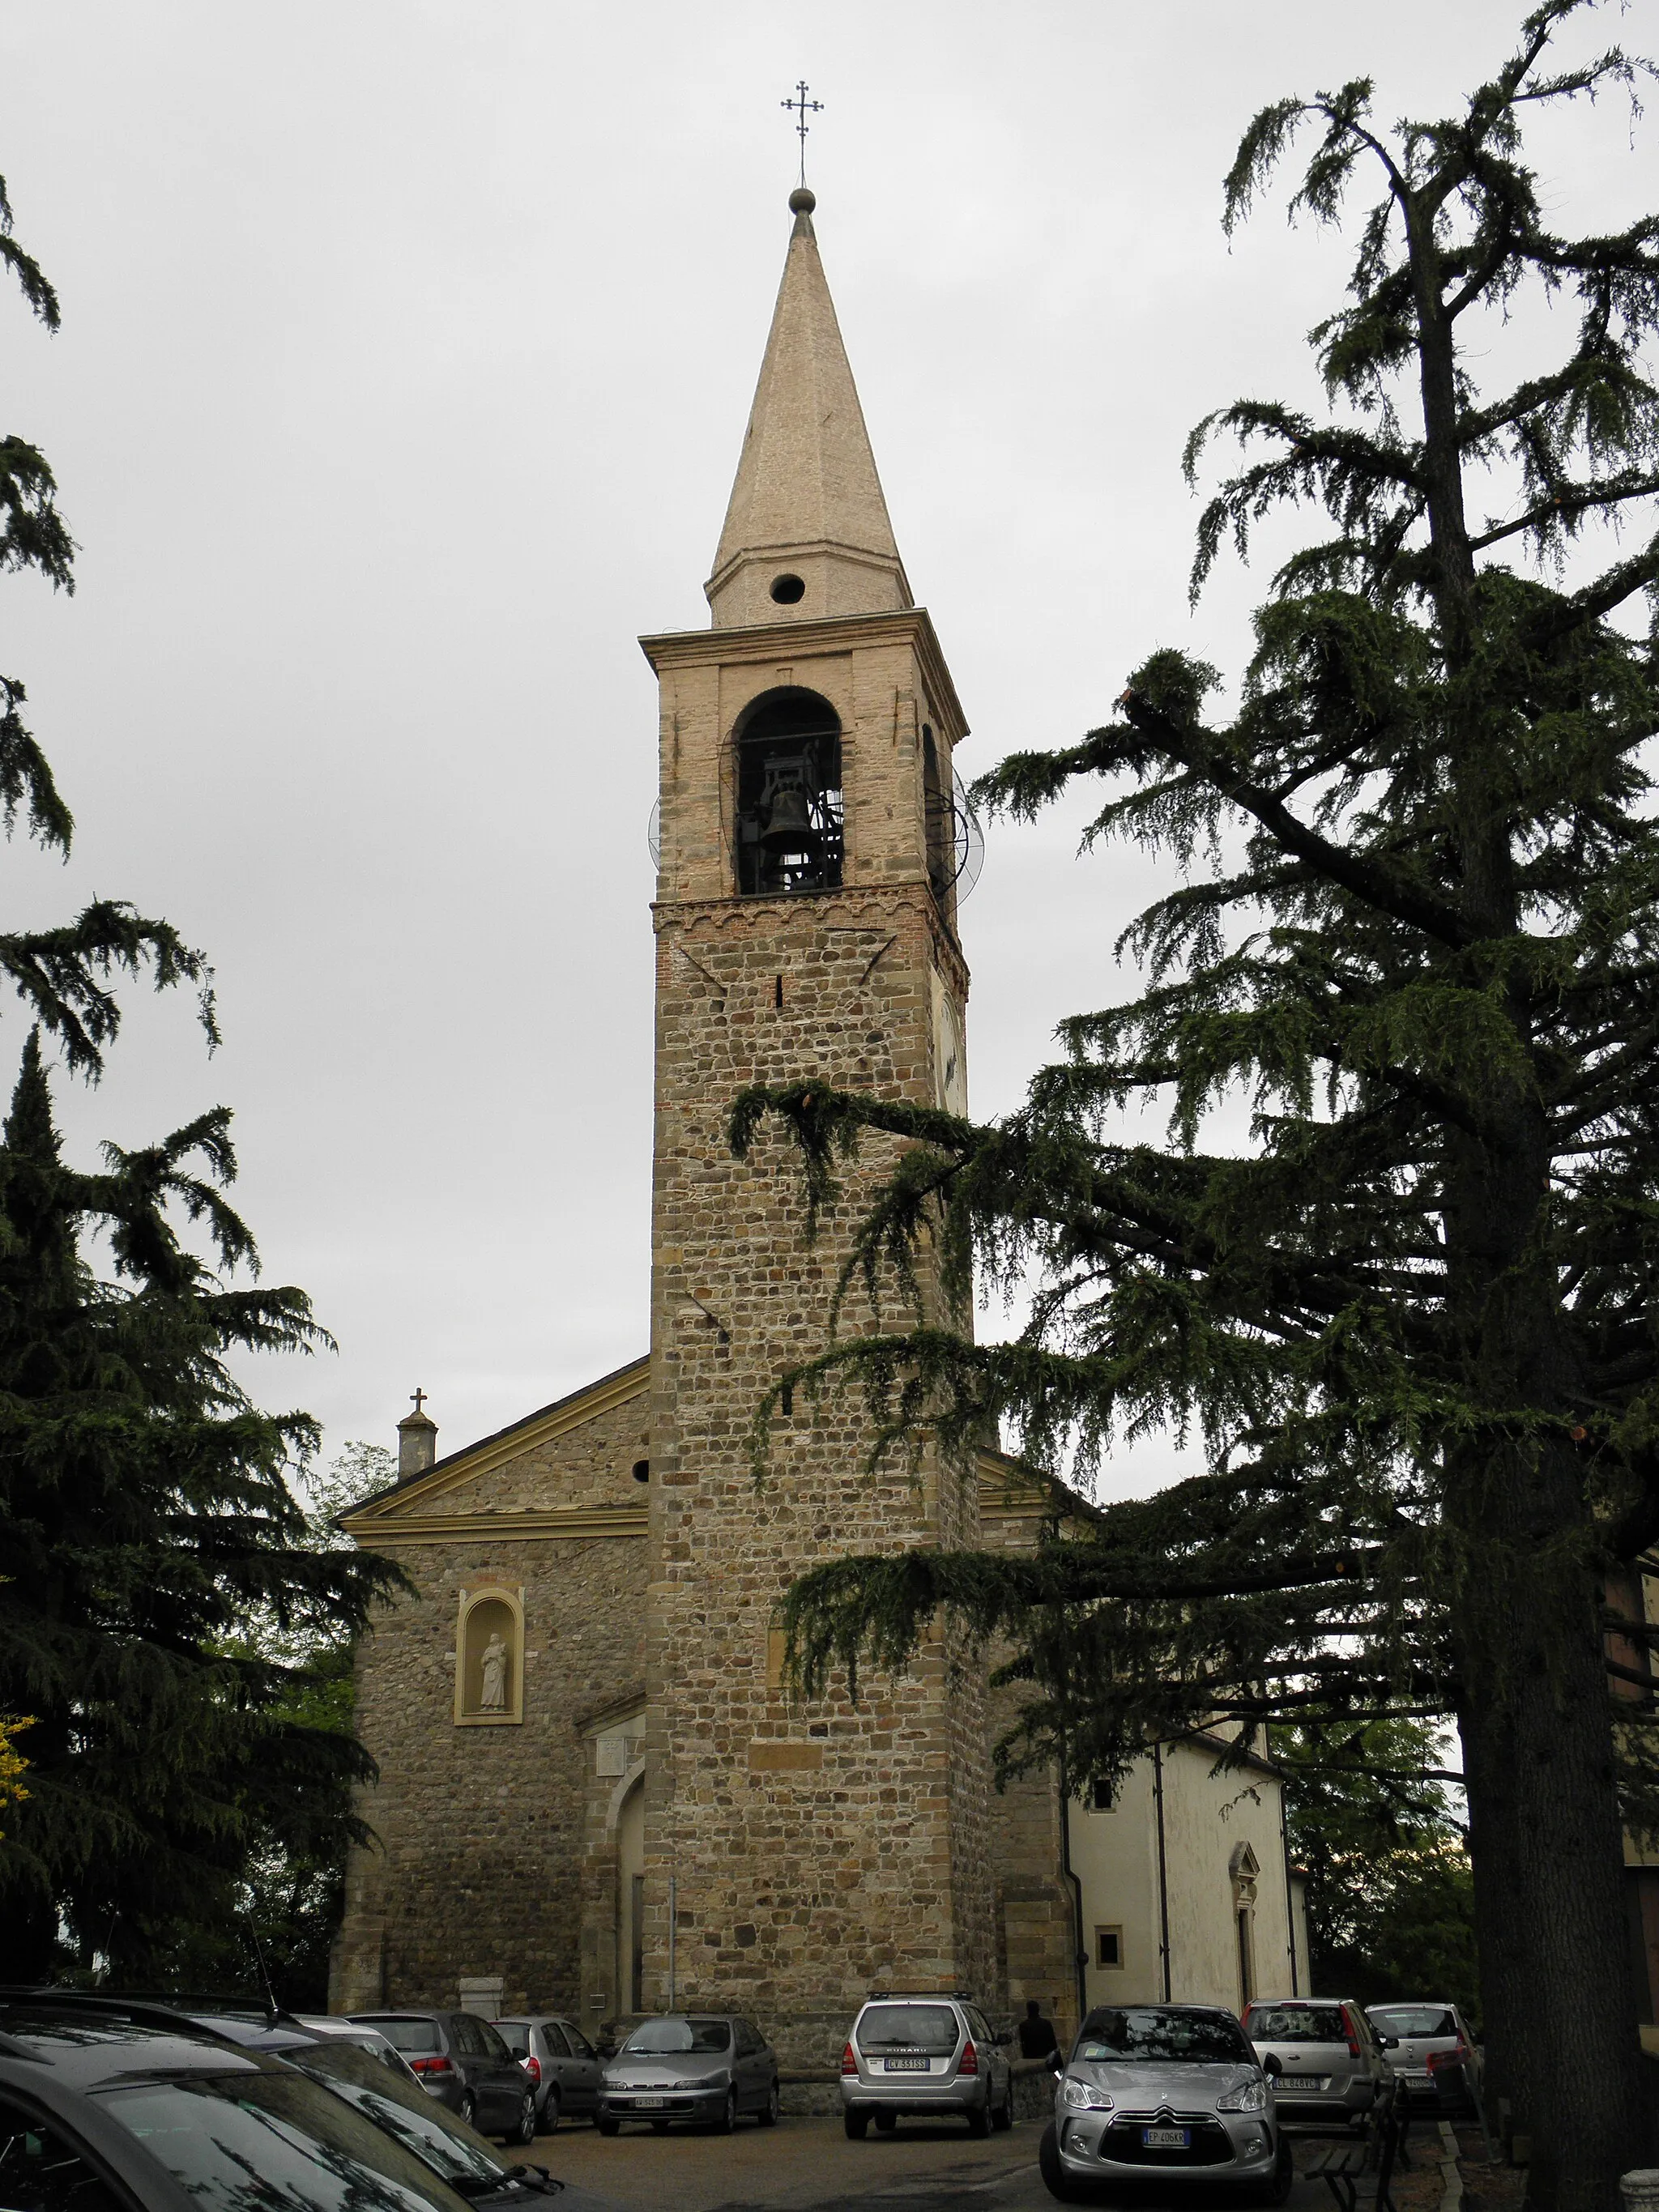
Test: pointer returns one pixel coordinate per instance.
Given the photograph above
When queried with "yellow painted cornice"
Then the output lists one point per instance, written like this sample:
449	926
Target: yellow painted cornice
583	1521
372	1518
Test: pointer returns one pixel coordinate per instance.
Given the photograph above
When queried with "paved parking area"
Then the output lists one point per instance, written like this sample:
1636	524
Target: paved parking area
809	2165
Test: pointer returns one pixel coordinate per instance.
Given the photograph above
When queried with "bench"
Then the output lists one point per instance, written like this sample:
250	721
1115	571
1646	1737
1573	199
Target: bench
1341	2167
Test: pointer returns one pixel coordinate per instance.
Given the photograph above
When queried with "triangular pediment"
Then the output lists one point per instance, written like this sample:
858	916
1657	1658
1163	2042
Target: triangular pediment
565	1470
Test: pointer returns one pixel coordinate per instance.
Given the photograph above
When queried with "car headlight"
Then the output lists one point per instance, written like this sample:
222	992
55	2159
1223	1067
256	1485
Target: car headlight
1252	2098
1084	2096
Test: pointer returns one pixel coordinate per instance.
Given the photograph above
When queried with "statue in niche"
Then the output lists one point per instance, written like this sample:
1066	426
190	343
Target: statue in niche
494	1661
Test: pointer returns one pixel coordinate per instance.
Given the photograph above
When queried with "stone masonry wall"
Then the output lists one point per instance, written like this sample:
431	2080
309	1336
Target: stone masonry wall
484	1830
818	1851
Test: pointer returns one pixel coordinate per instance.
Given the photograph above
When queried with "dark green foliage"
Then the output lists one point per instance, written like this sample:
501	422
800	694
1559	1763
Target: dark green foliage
1390	1891
1413	926
146	1520
63	975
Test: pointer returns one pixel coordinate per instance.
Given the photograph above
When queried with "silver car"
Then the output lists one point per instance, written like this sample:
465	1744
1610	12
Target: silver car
926	2056
704	2067
1434	2054
1164	2092
561	2062
1328	2060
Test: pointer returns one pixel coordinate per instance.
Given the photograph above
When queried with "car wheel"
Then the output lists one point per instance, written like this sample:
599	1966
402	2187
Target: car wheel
468	2108
1279	2188
1055	2180
550	2113
524	2129
885	2123
767	2114
607	2127
728	2119
979	2120
857	2126
1003	2118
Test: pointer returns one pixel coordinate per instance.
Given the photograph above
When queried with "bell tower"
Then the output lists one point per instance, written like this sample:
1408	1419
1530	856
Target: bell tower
805	925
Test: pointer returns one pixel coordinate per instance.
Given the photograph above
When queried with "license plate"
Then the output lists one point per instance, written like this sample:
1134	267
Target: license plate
650	2104
1303	2080
904	2065
1167	2138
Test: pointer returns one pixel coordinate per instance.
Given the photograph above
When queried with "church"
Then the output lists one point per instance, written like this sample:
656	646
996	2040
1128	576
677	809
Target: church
595	1795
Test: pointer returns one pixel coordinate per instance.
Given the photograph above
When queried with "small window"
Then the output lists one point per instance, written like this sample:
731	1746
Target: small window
1100	1796
641	1470
788	591
1109	1947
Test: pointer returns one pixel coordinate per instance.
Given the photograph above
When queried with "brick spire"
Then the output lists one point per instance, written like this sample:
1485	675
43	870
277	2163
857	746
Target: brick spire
807	503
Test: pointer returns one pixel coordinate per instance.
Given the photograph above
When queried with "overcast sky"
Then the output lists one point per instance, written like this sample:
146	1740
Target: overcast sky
407	349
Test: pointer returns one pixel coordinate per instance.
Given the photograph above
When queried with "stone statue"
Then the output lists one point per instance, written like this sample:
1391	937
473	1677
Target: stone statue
496	1654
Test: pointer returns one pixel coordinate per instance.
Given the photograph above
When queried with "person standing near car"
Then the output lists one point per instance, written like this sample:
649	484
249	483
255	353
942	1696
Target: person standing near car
1036	2035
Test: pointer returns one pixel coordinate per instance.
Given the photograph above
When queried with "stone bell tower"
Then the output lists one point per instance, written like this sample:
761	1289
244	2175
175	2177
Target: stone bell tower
805	925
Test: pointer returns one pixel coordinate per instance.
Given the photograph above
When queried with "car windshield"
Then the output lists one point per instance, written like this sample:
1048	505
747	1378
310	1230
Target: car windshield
404	2109
408	2034
275	2142
1297	2024
1144	2032
908	2027
658	2036
1415	2020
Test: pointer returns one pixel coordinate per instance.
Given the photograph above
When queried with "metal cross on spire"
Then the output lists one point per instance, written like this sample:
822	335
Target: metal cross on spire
801	108
419	1397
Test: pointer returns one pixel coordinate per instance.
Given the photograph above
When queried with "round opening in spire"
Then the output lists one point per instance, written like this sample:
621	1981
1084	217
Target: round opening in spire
788	591
802	200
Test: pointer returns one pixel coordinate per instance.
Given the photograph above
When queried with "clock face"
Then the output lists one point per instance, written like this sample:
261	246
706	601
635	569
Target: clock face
949	1051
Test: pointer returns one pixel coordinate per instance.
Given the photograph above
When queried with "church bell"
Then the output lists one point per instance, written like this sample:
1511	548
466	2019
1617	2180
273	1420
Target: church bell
789	827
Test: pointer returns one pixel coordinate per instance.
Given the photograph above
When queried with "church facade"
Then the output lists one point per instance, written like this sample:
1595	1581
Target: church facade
595	1794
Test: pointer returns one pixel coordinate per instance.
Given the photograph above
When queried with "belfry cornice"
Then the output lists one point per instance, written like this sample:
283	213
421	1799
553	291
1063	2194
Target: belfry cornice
866	907
794	641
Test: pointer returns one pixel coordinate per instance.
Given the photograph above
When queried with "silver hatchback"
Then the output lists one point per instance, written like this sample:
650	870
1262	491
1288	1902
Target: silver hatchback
927	2056
1433	2052
1326	2058
1170	2092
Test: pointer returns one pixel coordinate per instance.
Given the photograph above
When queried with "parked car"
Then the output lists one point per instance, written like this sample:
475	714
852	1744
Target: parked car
1166	2092
700	2066
1436	2056
461	2060
923	2056
1329	2061
562	2065
105	2103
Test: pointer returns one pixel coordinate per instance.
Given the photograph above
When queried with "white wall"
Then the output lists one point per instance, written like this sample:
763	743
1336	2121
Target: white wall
1205	1816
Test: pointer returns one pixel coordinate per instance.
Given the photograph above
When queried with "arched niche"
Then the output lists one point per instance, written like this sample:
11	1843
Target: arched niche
489	1658
786	778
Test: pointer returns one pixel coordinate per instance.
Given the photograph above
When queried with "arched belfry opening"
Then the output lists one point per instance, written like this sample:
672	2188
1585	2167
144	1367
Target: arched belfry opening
789	812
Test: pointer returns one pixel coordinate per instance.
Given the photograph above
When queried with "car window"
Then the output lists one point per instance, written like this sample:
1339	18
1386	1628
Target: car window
409	2035
515	2034
468	2041
553	2036
40	2171
277	2139
1113	2033
1294	2023
663	2036
493	2046
908	2027
1415	2020
978	2022
404	2109
578	2043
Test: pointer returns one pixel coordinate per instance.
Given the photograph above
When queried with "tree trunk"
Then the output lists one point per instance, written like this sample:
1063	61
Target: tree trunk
1546	1846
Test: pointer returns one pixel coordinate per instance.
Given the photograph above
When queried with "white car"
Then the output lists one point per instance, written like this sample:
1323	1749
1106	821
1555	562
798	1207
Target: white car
1435	2054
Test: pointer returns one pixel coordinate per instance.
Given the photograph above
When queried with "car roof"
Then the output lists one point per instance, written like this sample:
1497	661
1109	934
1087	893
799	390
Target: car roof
1413	2004
89	2044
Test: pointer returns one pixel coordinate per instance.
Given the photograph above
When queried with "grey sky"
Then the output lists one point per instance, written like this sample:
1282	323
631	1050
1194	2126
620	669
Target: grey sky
407	350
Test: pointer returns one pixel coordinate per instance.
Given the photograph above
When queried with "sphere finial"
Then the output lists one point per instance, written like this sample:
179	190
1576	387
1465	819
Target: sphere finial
802	200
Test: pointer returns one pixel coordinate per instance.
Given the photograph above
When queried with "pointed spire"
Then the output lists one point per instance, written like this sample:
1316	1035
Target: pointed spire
807	506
